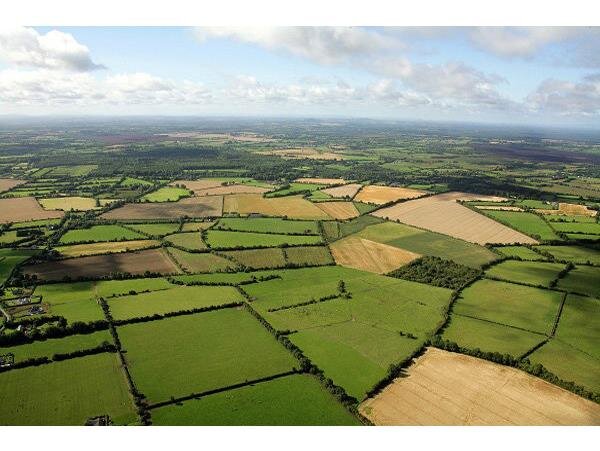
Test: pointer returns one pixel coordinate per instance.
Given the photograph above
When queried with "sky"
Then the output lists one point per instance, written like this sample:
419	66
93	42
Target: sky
535	75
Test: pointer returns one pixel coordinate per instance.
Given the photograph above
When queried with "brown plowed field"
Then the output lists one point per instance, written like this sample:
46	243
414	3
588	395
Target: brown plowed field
231	189
342	191
366	255
443	215
6	184
198	185
294	207
379	195
339	210
320	181
24	209
444	388
194	207
153	260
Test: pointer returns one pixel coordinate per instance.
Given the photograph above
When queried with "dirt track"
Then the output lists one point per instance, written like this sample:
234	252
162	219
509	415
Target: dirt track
444	388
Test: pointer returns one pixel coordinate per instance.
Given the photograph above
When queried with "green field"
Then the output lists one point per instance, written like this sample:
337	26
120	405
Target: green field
166	194
240	349
47	348
297	400
522	252
188	240
269	225
529	308
534	273
490	337
66	393
218	239
582	279
223	278
577	227
334	230
200	262
525	222
130	181
428	243
109	288
38	223
74	302
259	258
100	233
172	300
575	327
295	188
156	230
9	258
308	256
575	254
196	226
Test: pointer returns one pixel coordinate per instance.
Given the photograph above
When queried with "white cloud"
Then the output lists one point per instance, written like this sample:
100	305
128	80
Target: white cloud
324	45
566	97
53	50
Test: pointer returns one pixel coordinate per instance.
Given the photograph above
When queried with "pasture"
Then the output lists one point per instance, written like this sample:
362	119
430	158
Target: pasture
268	225
577	227
193	207
218	239
156	229
200	262
308	256
575	254
83	387
98	233
187	240
296	400
582	279
575	327
240	349
9	258
258	258
528	223
529	308
522	252
166	194
458	390
534	273
24	209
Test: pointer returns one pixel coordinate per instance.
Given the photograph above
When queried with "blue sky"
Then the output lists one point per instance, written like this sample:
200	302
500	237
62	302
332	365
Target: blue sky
538	75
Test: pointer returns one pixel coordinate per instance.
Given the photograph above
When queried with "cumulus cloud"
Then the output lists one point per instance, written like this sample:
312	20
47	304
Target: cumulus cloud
54	50
324	45
567	97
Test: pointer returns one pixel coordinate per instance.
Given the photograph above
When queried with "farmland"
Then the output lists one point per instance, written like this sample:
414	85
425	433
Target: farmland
194	207
166	194
294	207
99	233
528	223
222	240
380	195
538	273
68	203
339	210
575	254
24	209
270	225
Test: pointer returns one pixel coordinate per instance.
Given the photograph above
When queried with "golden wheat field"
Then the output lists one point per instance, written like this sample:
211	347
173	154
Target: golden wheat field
295	207
569	210
375	194
320	181
348	190
448	389
339	210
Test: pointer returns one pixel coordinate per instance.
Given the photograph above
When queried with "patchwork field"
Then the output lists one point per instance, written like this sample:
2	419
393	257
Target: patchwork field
153	260
320	181
443	388
231	189
294	207
297	400
188	240
100	233
535	273
158	229
575	254
198	185
81	250
258	258
339	210
7	184
24	209
96	386
193	207
366	255
374	194
521	252
200	262
582	279
528	223
68	203
241	349
218	239
348	190
443	215
166	194
269	225
309	255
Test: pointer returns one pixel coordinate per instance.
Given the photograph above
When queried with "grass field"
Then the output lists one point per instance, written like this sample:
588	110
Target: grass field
188	240
295	188
25	209
575	327
240	349
294	207
259	258
528	223
271	225
428	243
200	262
171	300
296	400
575	254
582	279
69	203
47	348
196	226
218	239
166	194
81	250
490	337
309	255
157	230
577	227
529	308
448	389
222	278
521	252
131	181
83	387
100	233
535	273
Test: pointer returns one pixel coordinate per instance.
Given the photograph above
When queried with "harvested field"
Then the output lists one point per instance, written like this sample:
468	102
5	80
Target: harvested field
80	250
193	207
443	215
444	388
198	185
380	195
469	197
320	181
569	210
339	210
153	260
24	209
231	189
294	207
69	203
366	255
7	184
349	190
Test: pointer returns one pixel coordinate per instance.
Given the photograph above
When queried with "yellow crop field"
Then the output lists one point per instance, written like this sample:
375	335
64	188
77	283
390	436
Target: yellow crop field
375	194
294	207
339	210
